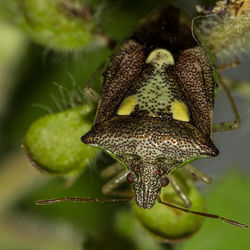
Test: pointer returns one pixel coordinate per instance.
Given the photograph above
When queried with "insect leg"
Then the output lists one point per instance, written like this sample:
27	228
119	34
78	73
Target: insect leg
196	173
179	189
228	65
118	180
112	170
241	87
227	126
88	92
91	94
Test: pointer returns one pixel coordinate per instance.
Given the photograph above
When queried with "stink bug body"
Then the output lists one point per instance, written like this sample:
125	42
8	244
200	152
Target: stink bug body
155	111
156	104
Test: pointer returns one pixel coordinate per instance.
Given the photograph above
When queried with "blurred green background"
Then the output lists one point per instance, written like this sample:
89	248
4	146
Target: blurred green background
31	78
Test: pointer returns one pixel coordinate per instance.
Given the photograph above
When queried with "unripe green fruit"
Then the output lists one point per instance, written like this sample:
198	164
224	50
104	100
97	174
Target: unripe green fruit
62	25
169	224
53	142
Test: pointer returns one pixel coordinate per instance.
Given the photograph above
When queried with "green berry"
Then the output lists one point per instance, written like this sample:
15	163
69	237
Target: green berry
169	224
53	142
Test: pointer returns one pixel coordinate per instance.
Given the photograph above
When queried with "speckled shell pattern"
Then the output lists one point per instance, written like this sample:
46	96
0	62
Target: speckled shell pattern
157	141
191	81
194	75
124	69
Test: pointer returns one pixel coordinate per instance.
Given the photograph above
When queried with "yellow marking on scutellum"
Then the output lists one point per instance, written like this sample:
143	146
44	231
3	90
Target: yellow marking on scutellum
127	105
159	57
180	111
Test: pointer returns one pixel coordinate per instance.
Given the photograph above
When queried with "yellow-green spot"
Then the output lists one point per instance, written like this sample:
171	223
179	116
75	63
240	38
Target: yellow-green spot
160	57
127	106
180	111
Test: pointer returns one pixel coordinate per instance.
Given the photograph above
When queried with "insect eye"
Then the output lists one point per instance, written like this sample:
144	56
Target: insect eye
164	181
137	170
130	178
159	172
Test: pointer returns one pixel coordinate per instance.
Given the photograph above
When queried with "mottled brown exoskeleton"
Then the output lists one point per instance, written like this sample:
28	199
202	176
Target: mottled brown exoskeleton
156	104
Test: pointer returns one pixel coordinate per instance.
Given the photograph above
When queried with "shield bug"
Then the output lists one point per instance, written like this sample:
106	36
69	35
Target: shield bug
156	104
155	109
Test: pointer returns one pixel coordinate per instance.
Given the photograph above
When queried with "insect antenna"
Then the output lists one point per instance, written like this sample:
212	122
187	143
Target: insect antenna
214	216
192	25
102	200
80	199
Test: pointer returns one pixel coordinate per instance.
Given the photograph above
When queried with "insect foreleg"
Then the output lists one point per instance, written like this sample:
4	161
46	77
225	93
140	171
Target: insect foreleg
109	187
88	92
196	173
112	170
180	190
